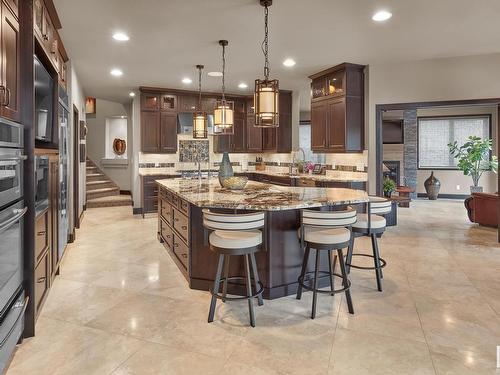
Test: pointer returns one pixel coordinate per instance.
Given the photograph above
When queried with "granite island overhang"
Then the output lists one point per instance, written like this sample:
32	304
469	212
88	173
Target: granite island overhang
180	227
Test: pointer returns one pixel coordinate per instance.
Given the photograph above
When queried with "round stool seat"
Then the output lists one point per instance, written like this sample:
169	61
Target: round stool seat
377	222
328	236
226	239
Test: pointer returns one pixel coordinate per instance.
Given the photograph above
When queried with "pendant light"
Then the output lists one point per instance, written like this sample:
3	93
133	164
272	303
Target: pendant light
223	112
199	116
266	96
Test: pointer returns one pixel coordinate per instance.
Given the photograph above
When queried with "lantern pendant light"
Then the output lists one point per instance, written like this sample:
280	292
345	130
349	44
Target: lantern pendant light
266	96
199	116
223	112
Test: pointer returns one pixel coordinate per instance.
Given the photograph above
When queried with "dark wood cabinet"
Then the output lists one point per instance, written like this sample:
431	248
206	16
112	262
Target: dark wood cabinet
254	135
10	69
238	139
168	102
188	103
168	132
150	102
337	109
54	215
150	131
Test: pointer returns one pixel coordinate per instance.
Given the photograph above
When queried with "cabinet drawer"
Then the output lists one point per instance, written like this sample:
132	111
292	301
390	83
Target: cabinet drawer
184	206
166	211
181	225
41	280
181	251
41	234
175	201
166	233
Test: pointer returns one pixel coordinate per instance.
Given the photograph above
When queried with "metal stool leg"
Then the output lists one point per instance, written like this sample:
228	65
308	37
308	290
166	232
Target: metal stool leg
315	289
376	261
256	278
344	276
303	272
226	276
216	289
350	250
249	291
331	267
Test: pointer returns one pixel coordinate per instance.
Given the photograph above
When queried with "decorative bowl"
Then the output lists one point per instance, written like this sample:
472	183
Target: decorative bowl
235	183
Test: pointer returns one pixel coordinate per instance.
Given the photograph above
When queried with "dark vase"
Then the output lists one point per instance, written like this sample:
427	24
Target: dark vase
225	169
432	186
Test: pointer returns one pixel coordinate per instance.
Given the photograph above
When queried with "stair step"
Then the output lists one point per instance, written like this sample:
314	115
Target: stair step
104	192
112	201
95	176
98	184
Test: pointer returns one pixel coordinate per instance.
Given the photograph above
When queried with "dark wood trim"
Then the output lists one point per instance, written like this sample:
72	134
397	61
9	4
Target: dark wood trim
27	119
379	108
76	167
51	8
125	192
498	175
446	196
71	237
137	211
215	94
337	68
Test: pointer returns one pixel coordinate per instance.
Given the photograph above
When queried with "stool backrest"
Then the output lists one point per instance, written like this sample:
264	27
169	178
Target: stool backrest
379	205
219	221
330	219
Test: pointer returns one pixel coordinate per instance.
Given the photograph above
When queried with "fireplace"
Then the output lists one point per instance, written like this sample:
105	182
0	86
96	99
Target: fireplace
392	170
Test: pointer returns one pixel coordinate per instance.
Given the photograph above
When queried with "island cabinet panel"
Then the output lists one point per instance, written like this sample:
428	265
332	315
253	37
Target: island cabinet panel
149	193
337	109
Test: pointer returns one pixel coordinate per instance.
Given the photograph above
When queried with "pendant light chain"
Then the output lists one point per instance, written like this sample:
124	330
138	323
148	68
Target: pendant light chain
199	88
223	71
265	43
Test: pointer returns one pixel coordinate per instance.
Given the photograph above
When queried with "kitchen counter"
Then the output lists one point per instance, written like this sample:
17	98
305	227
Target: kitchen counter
180	228
260	196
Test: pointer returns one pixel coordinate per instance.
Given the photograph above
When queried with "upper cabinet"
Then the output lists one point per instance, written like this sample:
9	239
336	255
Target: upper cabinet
337	109
10	70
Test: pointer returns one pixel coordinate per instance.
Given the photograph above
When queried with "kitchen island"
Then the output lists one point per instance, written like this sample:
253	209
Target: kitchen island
180	227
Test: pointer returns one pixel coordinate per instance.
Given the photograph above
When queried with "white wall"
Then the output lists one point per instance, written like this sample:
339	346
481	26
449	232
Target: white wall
115	128
77	99
459	78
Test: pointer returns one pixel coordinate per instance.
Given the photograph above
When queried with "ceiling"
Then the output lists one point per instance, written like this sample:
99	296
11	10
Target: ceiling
169	37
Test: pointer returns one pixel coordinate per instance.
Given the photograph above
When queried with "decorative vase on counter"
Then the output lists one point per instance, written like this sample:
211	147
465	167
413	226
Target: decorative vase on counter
225	169
432	186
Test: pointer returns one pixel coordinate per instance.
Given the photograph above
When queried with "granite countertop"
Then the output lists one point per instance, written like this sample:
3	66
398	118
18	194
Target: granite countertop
334	177
260	196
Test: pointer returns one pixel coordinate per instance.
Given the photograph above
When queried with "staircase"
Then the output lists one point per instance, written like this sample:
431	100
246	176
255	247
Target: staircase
101	191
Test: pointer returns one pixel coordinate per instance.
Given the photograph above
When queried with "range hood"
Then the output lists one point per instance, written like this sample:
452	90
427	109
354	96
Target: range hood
185	123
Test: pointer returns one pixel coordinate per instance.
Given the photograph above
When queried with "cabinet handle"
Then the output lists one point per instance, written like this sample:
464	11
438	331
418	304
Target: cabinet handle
184	227
168	236
8	97
176	244
184	255
2	92
41	233
41	280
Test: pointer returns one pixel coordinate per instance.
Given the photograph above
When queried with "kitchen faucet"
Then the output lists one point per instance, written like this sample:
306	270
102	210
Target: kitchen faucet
290	169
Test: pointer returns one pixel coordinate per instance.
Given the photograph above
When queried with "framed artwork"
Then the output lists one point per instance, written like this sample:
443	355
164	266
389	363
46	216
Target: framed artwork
90	105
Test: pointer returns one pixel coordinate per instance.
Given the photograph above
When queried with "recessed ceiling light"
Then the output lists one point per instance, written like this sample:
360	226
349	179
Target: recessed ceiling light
116	72
242	85
215	74
121	37
289	63
186	81
131	94
381	16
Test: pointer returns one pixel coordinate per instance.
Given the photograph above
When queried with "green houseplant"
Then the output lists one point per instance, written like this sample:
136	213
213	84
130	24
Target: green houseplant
474	159
389	186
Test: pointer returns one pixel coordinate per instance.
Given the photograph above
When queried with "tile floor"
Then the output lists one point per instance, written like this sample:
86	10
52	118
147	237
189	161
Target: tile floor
120	306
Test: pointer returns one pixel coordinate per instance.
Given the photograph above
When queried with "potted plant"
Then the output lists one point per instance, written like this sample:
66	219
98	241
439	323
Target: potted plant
389	186
474	158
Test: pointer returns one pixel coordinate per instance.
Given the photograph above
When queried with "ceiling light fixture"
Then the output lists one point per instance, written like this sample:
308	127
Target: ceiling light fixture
187	81
289	63
215	74
199	116
223	112
131	94
121	37
116	72
242	85
381	16
266	95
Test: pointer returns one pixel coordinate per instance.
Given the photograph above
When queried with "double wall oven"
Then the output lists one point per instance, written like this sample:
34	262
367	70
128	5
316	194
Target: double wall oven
12	211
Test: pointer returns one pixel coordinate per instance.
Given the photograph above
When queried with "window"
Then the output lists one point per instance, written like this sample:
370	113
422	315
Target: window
435	133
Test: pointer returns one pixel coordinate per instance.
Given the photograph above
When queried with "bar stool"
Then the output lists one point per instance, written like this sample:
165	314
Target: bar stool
235	235
370	224
325	231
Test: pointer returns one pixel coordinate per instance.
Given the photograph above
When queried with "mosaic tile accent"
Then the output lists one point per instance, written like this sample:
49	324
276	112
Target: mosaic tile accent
156	165
193	151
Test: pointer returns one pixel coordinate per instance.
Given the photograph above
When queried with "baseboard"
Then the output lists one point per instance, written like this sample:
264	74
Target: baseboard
71	237
445	196
125	192
137	211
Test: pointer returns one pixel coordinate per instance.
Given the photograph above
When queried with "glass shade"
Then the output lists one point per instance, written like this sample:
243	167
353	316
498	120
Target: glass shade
200	124
224	117
266	103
